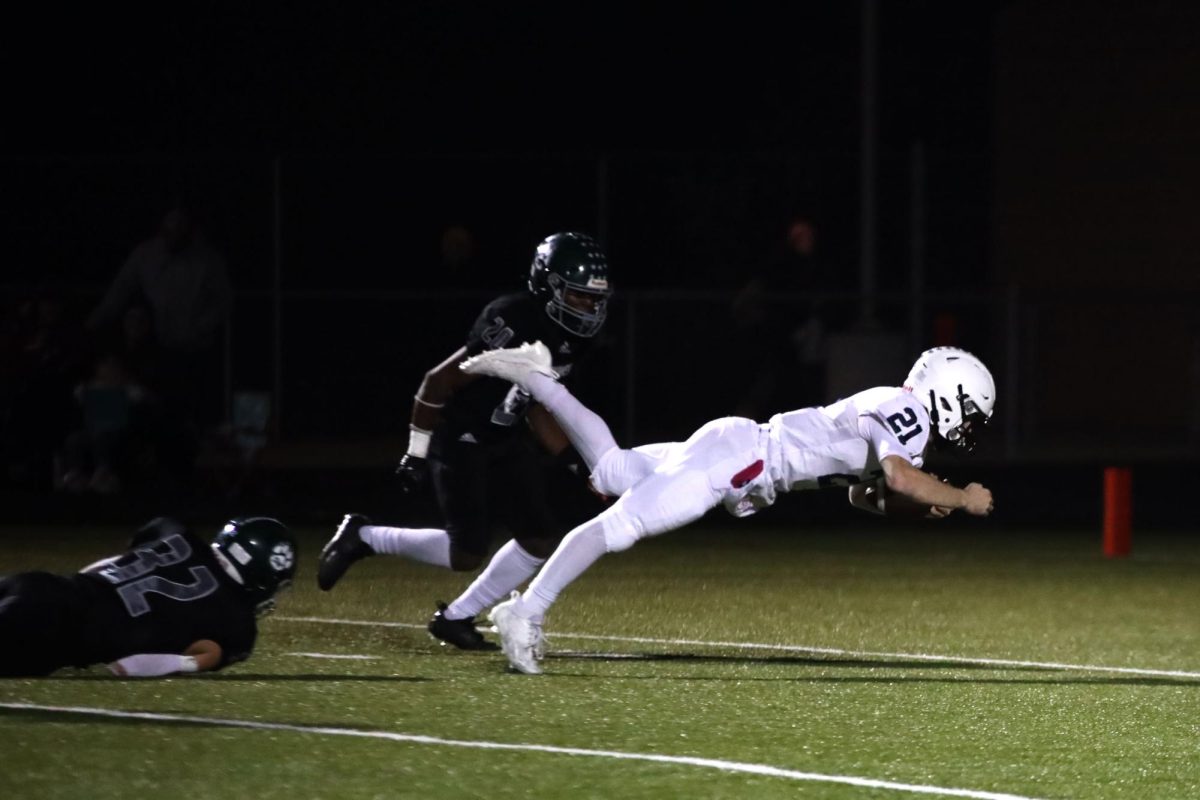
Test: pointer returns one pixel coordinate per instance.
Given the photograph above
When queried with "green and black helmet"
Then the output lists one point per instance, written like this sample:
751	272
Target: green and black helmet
570	271
260	554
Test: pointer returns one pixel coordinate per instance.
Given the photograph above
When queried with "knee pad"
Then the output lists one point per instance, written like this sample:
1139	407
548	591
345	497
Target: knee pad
604	472
620	532
618	469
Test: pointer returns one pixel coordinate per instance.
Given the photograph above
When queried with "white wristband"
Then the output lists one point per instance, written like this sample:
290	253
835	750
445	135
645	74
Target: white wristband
418	441
150	665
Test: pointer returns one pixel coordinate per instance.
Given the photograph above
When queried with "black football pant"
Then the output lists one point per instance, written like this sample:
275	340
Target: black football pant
41	624
479	486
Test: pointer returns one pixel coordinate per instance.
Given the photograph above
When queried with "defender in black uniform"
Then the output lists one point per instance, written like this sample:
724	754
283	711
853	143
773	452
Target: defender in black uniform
171	603
471	435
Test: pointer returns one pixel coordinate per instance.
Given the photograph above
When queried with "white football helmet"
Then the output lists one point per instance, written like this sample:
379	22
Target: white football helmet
959	392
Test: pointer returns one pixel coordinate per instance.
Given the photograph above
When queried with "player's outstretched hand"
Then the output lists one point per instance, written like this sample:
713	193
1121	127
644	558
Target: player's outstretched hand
411	473
979	499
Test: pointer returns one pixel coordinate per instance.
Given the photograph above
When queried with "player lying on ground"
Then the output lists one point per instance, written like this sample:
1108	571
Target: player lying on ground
171	603
877	434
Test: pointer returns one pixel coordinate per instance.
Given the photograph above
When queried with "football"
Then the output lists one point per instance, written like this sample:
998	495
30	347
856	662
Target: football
900	506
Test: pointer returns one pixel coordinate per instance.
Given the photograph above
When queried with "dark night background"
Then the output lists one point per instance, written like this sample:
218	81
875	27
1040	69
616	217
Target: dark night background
1035	180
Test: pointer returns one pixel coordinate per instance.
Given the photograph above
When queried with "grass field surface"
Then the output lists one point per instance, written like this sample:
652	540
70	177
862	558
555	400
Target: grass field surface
721	661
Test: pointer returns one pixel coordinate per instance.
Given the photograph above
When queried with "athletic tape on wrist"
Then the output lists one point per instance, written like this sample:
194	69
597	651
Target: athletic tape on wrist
418	441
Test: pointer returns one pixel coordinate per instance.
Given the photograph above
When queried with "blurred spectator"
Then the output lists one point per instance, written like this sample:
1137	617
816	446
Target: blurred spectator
182	278
185	283
461	262
96	456
138	347
236	451
46	353
120	414
784	340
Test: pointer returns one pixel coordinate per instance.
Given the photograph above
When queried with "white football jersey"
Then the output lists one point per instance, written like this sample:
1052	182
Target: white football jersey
843	443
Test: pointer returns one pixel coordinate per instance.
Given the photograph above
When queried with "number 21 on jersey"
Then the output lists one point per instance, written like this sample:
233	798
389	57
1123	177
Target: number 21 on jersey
904	425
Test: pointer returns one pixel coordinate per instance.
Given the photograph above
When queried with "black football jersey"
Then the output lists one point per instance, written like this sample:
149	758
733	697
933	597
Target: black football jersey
162	595
489	409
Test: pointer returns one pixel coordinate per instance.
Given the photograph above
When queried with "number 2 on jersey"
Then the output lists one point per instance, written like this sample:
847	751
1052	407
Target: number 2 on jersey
497	334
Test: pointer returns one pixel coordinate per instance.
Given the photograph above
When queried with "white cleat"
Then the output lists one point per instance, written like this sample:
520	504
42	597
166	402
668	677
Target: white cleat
513	364
520	637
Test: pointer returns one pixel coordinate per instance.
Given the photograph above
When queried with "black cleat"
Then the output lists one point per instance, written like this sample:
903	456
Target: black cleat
459	632
342	550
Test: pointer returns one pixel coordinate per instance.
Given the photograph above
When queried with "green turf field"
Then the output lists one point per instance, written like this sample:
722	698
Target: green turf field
838	664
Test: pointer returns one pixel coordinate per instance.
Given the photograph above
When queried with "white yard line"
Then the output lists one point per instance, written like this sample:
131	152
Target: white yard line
790	648
690	761
335	656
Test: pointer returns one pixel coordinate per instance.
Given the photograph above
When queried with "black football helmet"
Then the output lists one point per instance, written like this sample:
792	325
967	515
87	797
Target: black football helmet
260	553
572	263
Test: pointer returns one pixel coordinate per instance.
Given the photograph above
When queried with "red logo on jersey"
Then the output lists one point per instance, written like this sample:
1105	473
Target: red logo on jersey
748	474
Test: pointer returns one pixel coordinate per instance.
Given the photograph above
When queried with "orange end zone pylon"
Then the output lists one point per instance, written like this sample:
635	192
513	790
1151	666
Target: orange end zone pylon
1118	511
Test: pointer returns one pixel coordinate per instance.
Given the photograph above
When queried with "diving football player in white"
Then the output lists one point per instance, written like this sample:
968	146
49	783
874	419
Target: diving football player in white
874	440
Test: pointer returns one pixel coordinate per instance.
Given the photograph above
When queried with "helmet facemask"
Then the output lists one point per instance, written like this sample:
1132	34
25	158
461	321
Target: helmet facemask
570	272
266	607
961	436
578	321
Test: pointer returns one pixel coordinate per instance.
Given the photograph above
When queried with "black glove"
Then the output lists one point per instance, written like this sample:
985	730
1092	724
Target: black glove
411	472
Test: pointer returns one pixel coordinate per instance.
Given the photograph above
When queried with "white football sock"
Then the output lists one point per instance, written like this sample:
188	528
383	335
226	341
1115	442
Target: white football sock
585	428
509	568
582	548
427	545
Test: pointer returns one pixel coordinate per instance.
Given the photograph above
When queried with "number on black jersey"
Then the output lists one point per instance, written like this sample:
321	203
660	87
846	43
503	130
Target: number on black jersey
497	335
131	572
